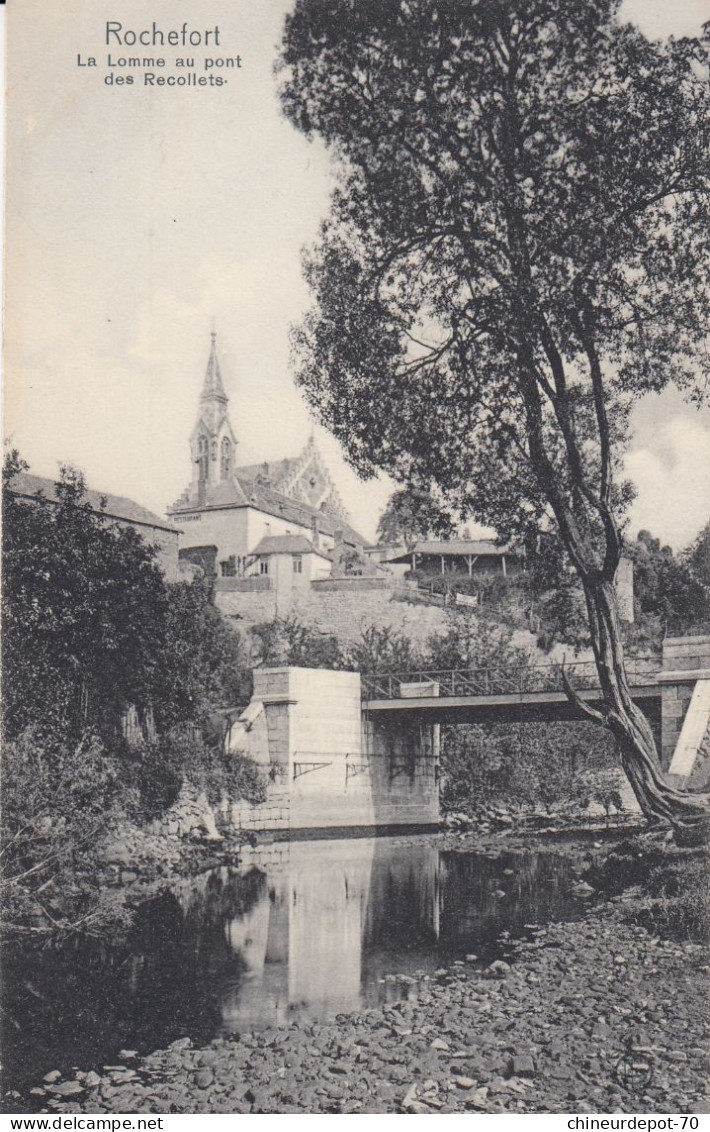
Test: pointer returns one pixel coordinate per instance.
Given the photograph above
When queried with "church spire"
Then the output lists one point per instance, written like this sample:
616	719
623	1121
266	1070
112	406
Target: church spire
212	442
213	390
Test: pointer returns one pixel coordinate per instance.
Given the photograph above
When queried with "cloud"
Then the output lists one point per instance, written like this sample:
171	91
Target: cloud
672	474
658	19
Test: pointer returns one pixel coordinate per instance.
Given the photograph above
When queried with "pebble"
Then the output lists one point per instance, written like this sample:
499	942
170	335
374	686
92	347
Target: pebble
67	1088
522	1066
542	1033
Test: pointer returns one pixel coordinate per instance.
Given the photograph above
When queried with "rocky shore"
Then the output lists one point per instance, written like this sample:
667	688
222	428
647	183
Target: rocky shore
595	1016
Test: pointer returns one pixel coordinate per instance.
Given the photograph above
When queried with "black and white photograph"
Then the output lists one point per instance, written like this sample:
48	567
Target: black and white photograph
356	561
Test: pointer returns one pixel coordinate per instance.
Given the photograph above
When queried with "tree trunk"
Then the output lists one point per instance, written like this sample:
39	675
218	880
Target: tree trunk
628	724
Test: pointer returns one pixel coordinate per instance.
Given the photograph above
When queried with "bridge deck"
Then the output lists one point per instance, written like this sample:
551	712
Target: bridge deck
503	707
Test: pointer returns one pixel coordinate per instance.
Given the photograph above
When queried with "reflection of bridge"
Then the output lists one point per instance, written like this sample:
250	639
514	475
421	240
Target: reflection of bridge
503	695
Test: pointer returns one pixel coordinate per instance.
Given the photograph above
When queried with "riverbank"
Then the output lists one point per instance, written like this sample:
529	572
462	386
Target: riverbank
593	1016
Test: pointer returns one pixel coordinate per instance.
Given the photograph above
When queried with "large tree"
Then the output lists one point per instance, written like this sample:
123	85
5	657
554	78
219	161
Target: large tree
517	250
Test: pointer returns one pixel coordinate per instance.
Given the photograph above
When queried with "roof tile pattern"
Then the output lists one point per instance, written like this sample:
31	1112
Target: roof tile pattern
102	502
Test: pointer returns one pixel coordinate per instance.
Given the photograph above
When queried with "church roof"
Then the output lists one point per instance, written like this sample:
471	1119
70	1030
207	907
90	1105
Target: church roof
239	491
102	502
287	544
267	499
273	470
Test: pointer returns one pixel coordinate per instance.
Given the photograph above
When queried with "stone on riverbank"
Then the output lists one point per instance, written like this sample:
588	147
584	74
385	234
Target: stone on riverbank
464	1042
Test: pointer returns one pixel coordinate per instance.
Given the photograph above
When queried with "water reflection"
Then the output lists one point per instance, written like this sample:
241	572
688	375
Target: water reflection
303	928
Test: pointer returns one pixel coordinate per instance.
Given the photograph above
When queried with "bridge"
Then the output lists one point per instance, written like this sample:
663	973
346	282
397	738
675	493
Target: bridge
345	749
503	695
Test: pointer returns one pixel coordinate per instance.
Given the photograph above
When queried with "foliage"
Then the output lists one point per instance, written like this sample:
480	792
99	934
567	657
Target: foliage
670	597
678	899
84	606
473	642
666	890
91	625
667	593
289	641
412	513
556	594
208	766
516	251
696	558
56	803
603	788
525	766
382	649
528	765
204	664
90	629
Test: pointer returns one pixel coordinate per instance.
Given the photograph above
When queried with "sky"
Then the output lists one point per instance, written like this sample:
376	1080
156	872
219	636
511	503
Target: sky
137	217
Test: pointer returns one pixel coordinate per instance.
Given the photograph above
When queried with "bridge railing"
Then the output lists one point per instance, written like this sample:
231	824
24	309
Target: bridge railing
498	681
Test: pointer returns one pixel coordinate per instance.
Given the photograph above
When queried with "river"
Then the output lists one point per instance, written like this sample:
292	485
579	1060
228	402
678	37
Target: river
310	928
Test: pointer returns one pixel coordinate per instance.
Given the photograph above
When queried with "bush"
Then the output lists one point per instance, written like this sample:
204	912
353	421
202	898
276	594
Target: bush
92	630
677	899
666	890
530	766
383	650
183	756
58	801
289	641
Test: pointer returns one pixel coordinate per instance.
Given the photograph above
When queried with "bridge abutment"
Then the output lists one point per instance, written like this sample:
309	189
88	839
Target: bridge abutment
684	676
328	765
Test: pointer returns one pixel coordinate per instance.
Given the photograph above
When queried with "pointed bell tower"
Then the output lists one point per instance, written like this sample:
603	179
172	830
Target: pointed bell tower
212	443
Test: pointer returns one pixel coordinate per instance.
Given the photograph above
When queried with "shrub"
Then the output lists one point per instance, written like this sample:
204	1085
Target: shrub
289	641
58	800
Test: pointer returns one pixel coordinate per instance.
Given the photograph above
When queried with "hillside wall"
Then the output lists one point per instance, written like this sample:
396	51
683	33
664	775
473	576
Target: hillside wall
344	612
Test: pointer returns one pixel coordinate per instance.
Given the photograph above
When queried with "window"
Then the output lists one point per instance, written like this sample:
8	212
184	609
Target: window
297	564
264	566
226	457
202	457
229	567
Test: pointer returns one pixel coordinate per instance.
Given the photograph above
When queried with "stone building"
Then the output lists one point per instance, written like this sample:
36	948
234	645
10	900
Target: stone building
39	490
241	510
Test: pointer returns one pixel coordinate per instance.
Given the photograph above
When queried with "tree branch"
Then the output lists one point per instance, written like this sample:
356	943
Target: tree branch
581	705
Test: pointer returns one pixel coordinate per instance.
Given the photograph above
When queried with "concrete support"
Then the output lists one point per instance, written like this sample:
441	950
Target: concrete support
327	766
686	660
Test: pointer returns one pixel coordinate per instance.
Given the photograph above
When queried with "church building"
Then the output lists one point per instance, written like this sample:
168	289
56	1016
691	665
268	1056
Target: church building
256	519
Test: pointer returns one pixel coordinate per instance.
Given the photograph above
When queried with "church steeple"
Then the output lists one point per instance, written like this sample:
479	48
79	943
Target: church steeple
213	443
213	388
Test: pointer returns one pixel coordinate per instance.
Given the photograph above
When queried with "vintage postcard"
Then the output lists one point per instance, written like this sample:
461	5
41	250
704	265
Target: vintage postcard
356	559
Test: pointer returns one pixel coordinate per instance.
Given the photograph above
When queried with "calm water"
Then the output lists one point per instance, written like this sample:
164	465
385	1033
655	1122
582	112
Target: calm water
307	928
